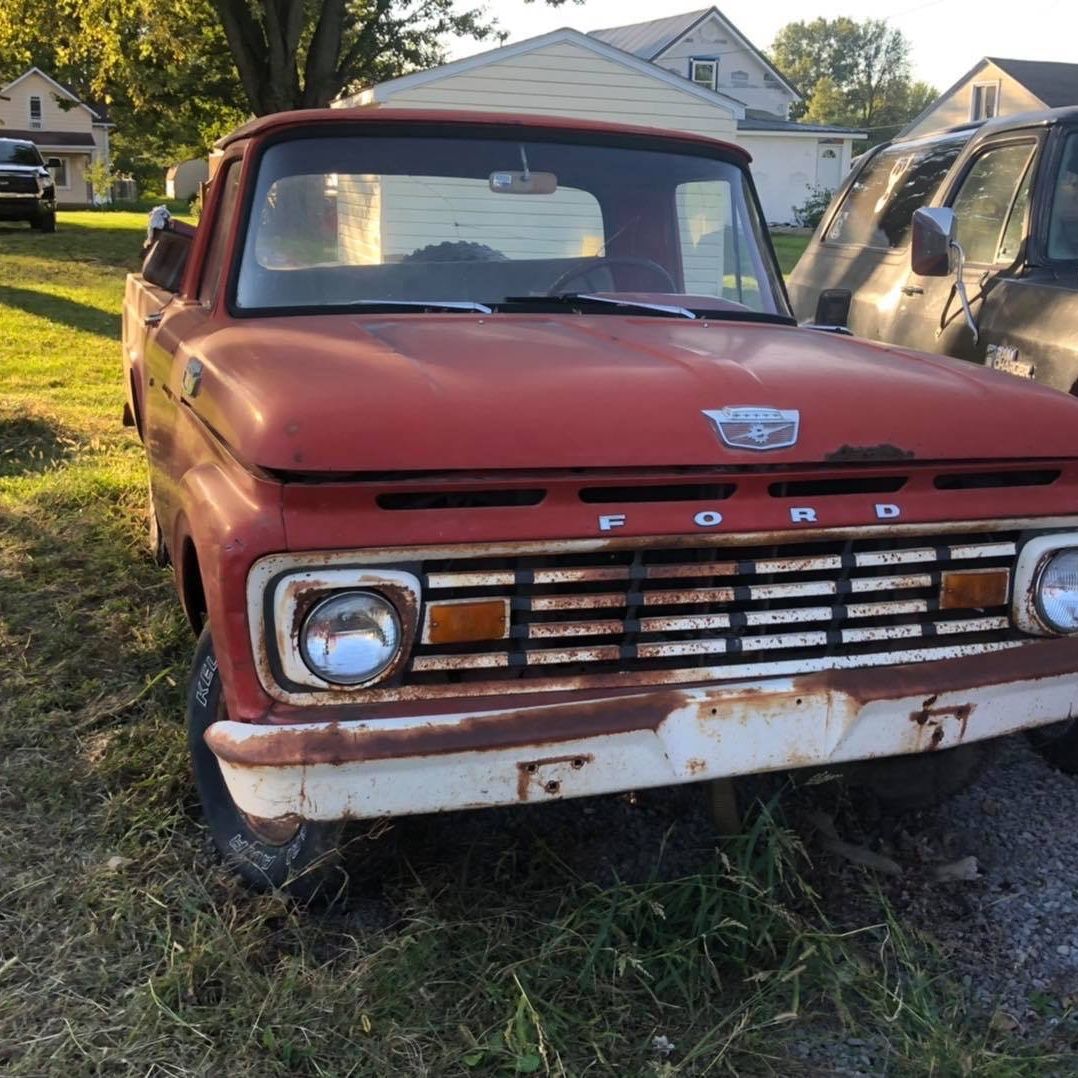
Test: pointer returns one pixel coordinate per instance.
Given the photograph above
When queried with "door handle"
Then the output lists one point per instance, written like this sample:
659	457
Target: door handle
912	290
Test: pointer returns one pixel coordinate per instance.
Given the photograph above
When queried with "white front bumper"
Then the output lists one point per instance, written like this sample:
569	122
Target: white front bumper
399	766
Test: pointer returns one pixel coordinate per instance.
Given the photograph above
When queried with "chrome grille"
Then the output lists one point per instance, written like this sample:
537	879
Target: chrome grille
693	613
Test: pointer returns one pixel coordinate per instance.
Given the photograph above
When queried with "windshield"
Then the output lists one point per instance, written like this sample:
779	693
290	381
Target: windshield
359	219
19	153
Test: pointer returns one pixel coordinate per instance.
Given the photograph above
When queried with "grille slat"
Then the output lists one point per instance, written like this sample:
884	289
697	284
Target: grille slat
734	613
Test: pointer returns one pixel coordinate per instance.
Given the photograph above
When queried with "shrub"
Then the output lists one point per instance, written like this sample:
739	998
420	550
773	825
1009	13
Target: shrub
811	211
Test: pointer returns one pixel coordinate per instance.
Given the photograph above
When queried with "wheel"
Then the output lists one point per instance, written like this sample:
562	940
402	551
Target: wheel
1058	744
46	223
155	537
923	779
297	856
646	264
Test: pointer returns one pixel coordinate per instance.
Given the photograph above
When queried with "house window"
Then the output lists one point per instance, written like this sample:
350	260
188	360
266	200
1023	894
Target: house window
739	78
59	174
704	72
35	112
984	102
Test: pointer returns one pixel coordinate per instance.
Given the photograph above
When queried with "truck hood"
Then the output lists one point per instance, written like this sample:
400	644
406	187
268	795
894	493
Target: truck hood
430	392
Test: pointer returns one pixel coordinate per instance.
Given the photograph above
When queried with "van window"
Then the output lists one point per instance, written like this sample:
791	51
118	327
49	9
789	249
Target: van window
1063	224
983	202
878	208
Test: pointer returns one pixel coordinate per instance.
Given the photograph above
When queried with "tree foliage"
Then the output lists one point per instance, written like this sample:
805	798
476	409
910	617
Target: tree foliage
176	74
851	73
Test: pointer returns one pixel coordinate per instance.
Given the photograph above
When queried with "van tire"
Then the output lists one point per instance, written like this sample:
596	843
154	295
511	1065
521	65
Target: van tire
1058	744
303	862
923	779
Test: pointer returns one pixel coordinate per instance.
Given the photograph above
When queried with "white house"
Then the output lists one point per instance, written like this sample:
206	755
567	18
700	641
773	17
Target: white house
35	106
693	72
995	86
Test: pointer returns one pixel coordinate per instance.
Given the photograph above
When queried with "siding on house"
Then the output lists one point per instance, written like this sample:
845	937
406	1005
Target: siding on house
711	39
786	168
76	120
953	107
569	80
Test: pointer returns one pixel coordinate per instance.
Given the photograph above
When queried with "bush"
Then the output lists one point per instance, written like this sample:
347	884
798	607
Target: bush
811	211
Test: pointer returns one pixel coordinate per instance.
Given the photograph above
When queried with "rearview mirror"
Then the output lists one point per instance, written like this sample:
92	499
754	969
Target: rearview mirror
54	162
934	232
523	183
166	260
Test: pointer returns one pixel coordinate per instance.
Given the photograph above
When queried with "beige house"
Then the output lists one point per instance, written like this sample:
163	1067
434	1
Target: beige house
998	87
692	72
36	107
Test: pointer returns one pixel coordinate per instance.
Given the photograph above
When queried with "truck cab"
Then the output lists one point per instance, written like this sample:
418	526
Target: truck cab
493	468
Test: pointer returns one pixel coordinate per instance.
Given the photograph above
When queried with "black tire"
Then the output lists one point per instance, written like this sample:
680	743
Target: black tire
45	223
1058	744
304	862
924	779
155	536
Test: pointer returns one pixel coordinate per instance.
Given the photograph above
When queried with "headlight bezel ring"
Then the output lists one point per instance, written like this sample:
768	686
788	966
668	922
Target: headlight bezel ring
1034	559
324	607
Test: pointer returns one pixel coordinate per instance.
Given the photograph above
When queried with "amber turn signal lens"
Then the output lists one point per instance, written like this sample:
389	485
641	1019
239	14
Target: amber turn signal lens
460	622
965	589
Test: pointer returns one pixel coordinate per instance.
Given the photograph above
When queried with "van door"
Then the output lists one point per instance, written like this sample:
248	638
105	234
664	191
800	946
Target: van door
991	199
1028	318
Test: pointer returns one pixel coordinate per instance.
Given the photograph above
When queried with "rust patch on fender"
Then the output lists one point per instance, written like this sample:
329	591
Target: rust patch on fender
868	454
334	744
1030	662
934	716
529	772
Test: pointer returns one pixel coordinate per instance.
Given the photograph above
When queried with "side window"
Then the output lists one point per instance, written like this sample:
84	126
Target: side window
215	253
985	200
1063	222
878	208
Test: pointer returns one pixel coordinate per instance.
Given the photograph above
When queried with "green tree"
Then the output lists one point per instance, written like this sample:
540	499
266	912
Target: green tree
304	53
851	73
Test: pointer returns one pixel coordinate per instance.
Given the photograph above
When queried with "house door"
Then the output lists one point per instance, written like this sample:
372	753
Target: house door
828	166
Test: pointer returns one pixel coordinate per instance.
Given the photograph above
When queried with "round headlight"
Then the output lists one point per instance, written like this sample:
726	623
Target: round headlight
350	637
1057	591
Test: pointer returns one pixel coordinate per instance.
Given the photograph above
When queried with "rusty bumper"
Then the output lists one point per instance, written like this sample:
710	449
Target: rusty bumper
361	768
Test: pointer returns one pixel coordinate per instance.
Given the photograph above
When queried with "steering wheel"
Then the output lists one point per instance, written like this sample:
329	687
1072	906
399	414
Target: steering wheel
647	264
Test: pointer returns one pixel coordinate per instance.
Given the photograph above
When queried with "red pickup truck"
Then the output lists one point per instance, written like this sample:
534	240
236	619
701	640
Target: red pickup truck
493	468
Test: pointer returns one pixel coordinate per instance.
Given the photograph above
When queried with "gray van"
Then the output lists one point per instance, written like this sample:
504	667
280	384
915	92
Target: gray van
999	200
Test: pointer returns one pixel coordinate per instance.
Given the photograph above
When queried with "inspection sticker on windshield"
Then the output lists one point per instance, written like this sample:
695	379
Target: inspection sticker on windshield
753	427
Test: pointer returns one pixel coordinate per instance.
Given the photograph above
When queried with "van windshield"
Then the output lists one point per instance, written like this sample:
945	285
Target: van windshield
358	220
19	153
878	208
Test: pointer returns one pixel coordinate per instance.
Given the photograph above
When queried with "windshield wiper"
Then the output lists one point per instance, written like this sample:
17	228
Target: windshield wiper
390	305
583	299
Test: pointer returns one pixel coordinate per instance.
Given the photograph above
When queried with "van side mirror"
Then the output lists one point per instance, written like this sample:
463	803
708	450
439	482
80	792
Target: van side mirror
54	162
833	308
934	233
166	260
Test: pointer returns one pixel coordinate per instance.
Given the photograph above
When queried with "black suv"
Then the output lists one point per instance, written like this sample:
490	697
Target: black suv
1002	198
27	190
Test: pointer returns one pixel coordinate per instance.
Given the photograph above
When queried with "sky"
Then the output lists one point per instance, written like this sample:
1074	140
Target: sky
947	36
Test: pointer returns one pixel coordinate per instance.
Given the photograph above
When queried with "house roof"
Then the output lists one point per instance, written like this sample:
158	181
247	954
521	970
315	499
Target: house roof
52	139
384	90
1056	84
97	114
755	121
649	40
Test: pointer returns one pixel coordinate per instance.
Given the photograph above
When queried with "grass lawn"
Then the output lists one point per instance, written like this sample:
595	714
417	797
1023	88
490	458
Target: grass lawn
789	248
558	940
